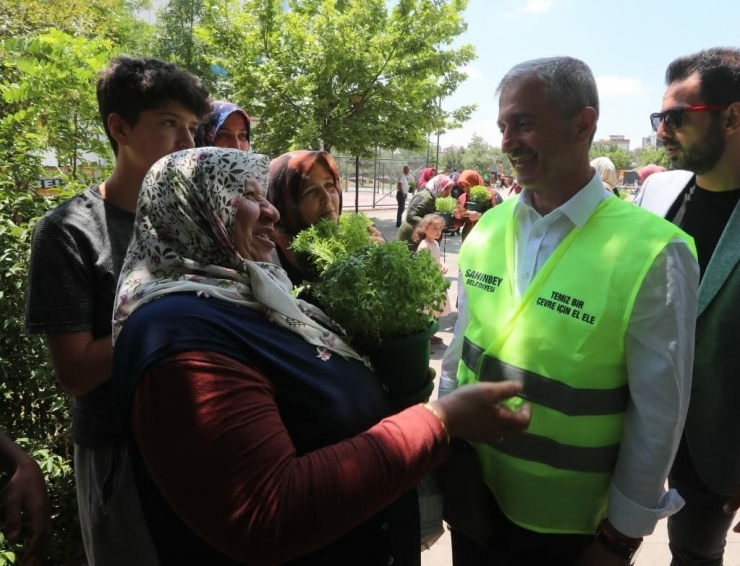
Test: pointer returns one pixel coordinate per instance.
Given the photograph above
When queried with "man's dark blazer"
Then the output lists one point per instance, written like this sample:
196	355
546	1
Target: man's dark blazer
713	421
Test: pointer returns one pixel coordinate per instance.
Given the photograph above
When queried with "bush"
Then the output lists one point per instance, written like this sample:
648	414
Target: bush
36	412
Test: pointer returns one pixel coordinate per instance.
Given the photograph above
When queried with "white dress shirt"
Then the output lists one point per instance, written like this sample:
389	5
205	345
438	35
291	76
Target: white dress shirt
659	347
403	182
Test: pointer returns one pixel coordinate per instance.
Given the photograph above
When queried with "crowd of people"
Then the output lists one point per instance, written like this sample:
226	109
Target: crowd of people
221	420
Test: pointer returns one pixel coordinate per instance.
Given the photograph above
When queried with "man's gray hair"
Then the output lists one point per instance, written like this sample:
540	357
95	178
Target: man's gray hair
568	82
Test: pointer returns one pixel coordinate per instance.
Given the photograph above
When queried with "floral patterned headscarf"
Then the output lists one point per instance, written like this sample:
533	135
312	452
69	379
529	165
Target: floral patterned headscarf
288	175
183	242
438	184
207	130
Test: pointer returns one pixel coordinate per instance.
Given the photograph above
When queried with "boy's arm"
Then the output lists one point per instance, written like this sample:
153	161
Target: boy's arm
81	363
61	303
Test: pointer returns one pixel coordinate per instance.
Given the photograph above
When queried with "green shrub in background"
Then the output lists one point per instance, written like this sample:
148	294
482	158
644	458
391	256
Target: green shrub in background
34	410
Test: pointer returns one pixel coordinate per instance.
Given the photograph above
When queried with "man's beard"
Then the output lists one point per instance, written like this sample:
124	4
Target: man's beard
704	155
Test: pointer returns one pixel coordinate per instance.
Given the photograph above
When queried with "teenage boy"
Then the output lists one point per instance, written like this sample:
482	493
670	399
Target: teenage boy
149	109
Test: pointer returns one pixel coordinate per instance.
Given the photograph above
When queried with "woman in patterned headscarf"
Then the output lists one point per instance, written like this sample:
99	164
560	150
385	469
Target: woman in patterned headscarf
258	435
304	187
423	204
226	126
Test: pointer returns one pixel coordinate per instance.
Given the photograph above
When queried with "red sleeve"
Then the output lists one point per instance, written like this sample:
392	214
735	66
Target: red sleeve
210	432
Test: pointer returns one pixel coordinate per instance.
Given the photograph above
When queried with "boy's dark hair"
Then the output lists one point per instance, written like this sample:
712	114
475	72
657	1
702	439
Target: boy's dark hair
129	86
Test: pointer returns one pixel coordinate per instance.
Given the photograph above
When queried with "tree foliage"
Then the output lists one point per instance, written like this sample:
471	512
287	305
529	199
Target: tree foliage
647	155
453	159
177	38
51	106
480	155
49	55
113	20
621	158
350	76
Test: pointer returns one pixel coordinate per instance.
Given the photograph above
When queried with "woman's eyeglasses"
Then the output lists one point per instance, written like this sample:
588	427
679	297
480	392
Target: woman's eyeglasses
673	117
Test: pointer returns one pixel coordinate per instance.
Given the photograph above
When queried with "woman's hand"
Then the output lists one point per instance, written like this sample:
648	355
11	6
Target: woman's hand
457	213
472	215
475	413
375	235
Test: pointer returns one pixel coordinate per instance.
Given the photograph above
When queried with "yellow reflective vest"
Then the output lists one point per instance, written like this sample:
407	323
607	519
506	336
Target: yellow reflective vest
564	339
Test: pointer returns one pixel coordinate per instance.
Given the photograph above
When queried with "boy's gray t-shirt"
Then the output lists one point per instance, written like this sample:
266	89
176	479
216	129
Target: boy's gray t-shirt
77	253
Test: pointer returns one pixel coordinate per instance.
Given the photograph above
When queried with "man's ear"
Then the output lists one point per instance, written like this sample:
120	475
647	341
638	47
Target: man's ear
732	120
118	128
585	124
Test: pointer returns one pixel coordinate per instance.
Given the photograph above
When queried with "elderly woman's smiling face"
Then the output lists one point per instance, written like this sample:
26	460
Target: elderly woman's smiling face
254	223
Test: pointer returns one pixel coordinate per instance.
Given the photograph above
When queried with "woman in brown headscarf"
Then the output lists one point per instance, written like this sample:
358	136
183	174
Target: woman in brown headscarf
304	187
467	218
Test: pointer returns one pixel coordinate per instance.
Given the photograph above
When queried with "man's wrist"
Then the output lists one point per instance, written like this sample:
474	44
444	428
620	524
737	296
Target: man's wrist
617	543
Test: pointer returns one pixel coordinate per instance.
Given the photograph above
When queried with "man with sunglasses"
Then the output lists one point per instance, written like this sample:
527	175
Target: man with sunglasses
700	128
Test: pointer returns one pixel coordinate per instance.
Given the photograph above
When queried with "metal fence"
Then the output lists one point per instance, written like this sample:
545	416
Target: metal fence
377	176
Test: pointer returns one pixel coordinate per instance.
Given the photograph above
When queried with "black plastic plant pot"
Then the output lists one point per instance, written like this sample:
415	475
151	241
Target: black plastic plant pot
447	217
474	206
403	366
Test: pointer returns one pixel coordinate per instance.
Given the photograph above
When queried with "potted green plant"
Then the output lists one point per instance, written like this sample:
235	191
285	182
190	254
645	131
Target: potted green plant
445	207
325	242
479	199
383	296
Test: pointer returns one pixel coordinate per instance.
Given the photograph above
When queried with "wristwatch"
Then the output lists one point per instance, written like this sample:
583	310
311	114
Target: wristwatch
615	542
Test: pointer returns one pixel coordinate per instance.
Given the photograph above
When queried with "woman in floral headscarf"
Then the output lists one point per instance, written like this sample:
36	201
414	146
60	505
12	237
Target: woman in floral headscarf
226	126
258	435
423	204
304	187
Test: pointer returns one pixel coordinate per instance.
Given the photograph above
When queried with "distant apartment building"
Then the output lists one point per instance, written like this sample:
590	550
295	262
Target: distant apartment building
652	141
620	141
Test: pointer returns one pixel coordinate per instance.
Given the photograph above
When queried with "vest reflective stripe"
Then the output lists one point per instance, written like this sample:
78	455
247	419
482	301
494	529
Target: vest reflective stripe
562	456
564	338
545	391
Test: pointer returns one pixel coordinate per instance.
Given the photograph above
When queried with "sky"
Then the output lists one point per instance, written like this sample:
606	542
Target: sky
627	43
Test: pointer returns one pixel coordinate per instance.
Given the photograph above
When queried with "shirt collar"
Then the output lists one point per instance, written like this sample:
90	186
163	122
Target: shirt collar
578	209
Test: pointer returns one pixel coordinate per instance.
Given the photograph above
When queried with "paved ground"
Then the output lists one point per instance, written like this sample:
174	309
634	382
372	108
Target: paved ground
654	550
